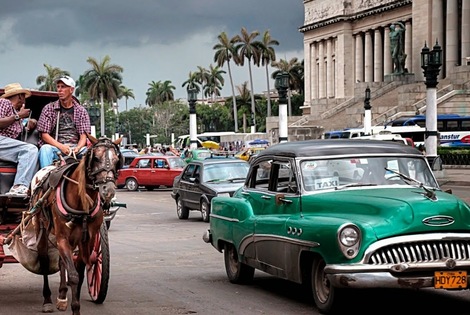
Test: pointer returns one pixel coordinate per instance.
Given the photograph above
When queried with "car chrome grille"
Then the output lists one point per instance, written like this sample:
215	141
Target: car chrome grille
417	252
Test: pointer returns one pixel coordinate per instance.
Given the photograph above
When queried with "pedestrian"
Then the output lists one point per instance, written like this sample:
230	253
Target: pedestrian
12	149
63	125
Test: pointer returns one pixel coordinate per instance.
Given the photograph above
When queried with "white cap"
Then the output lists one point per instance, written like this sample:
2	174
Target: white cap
67	81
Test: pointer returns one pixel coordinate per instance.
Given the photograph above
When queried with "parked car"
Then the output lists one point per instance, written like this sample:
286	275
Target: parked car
128	156
343	214
197	154
202	180
150	171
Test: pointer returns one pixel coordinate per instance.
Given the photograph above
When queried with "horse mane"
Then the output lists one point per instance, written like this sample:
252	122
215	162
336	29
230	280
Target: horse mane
87	203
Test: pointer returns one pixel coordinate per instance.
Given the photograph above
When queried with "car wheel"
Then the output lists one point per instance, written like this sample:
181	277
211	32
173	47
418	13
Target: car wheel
131	184
205	211
149	188
181	210
324	294
237	272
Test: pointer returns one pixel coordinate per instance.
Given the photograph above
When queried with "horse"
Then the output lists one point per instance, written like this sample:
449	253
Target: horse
70	202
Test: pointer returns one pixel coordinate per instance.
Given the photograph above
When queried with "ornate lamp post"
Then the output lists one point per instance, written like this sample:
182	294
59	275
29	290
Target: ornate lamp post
367	113
192	97
431	62
94	113
281	84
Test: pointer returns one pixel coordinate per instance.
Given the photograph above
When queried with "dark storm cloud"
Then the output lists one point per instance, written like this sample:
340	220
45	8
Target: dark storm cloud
138	22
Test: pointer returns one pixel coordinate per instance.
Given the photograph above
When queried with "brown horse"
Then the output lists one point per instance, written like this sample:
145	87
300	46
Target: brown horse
70	202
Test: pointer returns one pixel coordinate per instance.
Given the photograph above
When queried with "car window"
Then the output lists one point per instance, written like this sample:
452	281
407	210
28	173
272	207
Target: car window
329	174
263	174
160	163
144	163
188	172
220	172
283	178
176	163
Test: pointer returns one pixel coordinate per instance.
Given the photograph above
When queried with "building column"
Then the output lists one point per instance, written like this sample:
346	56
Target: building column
314	70
437	30
321	70
388	68
308	77
359	58
378	56
408	46
329	69
451	51
465	31
369	69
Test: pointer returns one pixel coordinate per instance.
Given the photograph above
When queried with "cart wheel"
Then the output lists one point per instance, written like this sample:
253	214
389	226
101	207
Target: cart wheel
98	270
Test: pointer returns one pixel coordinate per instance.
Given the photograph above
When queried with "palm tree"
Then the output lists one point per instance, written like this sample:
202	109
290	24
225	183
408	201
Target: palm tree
268	55
126	93
247	47
202	76
215	82
103	80
166	91
295	71
225	50
47	82
191	82
159	92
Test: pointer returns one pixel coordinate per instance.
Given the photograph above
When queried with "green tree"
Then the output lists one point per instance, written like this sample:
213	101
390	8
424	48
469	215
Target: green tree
244	98
103	80
268	55
47	82
126	93
247	47
191	82
295	71
225	51
159	92
202	75
215	82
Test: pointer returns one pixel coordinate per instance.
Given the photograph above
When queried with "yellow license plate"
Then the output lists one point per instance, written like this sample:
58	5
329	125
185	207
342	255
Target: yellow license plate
450	279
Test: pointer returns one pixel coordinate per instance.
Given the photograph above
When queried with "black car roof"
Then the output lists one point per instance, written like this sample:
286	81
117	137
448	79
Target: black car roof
336	147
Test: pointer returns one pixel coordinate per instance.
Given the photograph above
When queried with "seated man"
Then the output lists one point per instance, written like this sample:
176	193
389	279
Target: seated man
12	111
63	125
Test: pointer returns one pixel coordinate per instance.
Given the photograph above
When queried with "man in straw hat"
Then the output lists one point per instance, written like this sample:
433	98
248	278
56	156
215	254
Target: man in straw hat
63	125
12	112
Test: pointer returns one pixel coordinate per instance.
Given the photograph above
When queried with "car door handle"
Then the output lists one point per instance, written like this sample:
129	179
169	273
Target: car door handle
265	197
285	200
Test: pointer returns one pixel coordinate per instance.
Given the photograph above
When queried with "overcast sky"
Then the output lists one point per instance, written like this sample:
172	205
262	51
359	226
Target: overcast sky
153	40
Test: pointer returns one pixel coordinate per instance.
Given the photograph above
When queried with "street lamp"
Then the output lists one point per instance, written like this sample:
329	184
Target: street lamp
281	84
431	62
192	97
367	113
94	113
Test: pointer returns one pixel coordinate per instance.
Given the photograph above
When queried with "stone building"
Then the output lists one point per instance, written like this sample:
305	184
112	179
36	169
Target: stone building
347	48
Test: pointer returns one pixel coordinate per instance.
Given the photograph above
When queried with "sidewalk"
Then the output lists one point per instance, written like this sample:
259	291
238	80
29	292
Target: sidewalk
454	175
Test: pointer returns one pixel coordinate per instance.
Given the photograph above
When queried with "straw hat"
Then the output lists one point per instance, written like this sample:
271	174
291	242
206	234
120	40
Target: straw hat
15	88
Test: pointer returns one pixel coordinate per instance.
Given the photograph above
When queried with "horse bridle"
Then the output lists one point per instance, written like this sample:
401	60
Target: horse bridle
108	167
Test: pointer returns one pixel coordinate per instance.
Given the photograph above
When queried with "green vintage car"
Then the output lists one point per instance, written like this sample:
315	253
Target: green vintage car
343	214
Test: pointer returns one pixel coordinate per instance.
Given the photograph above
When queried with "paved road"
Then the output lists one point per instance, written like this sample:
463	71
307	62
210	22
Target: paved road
160	265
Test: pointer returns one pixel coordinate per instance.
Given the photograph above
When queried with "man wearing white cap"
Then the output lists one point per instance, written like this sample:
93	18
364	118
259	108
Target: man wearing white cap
12	112
63	125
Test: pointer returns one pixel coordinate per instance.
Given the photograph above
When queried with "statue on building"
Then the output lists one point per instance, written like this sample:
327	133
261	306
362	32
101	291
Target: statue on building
397	47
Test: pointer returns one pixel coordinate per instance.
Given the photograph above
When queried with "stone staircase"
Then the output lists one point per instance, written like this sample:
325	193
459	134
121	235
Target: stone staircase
391	100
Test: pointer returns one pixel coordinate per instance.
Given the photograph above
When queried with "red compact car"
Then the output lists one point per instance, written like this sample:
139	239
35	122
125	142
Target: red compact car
150	171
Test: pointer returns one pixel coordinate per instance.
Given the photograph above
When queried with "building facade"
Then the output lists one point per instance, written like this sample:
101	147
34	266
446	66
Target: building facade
347	46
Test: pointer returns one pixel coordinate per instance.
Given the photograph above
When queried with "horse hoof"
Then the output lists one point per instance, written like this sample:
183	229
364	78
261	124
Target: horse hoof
47	308
61	304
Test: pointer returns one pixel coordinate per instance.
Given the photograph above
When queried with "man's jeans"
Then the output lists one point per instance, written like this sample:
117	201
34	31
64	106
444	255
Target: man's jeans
48	153
22	153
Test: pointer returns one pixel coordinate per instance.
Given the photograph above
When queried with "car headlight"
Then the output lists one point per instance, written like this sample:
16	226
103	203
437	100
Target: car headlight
349	239
223	194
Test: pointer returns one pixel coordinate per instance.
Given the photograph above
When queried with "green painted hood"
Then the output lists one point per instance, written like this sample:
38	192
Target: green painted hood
389	211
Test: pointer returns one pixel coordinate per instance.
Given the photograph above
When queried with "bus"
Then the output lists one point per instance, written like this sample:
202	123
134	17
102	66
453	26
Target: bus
454	130
184	140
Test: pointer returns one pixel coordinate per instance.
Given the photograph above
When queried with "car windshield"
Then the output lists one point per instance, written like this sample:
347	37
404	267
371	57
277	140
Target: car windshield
368	171
177	163
220	172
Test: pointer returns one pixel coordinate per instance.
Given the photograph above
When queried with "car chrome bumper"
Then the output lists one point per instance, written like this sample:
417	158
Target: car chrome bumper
403	275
